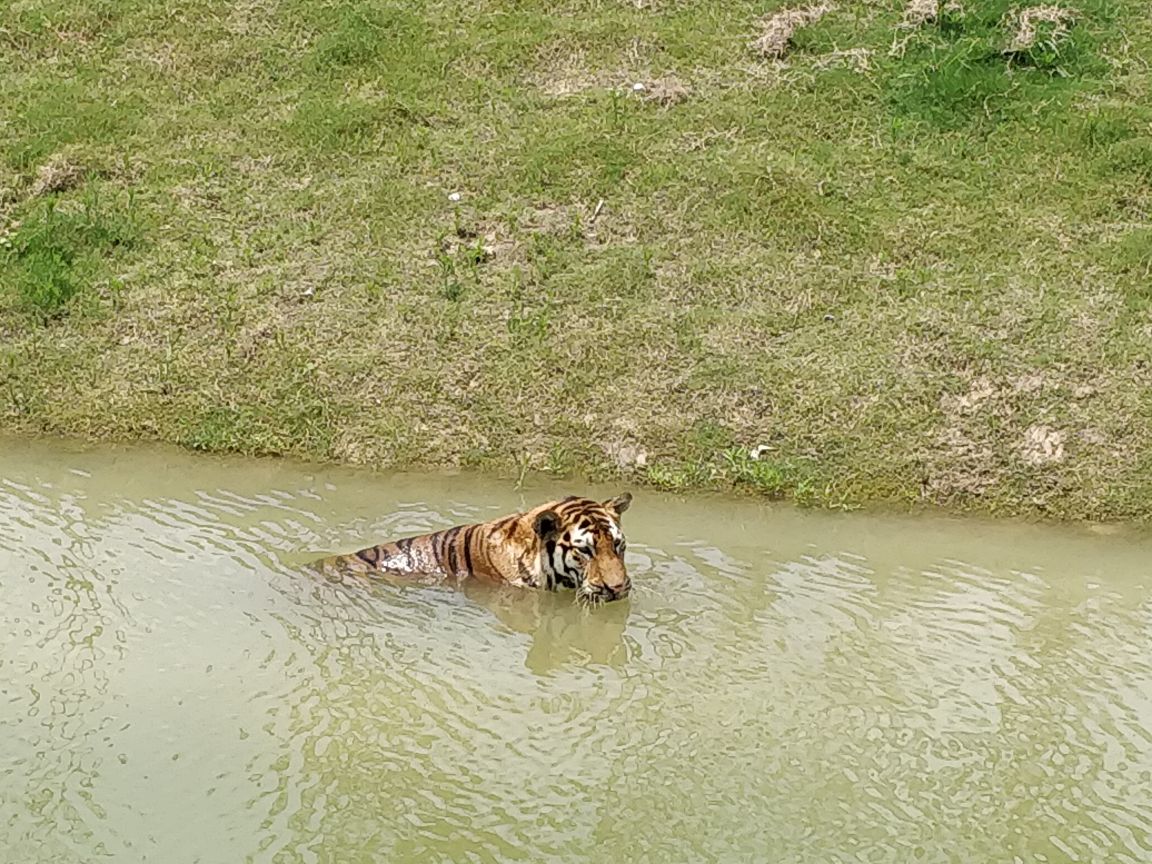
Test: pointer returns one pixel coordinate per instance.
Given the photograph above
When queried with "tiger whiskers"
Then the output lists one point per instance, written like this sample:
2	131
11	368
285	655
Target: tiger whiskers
589	598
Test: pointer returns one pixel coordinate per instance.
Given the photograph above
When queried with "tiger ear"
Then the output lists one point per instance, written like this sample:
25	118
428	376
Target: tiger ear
620	503
547	524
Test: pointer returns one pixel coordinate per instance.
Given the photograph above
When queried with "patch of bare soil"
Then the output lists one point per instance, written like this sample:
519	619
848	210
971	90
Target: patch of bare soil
482	245
979	392
666	91
619	442
503	243
564	70
625	455
596	222
561	85
970	456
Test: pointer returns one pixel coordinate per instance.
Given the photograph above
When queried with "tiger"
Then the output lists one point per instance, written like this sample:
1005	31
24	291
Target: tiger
573	543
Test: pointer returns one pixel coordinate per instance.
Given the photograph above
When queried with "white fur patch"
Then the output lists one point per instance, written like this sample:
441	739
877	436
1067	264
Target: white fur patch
580	538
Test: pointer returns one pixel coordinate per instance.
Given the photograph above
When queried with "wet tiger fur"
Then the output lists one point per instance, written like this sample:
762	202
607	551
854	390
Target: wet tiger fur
571	543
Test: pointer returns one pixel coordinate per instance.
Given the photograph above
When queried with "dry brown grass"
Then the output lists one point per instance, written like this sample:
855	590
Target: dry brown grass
1042	445
857	59
59	174
1024	25
778	29
917	13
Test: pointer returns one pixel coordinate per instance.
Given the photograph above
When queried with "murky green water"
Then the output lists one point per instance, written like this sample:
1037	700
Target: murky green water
783	686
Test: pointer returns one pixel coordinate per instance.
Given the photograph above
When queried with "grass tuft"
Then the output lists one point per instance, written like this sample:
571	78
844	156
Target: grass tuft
1134	258
55	254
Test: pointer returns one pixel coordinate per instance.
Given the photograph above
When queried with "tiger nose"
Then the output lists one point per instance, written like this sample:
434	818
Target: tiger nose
614	592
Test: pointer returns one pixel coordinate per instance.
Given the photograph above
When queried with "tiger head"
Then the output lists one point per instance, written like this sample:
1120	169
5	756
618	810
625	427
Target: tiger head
582	547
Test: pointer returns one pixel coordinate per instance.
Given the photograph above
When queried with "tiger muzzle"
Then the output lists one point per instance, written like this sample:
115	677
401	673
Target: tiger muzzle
605	593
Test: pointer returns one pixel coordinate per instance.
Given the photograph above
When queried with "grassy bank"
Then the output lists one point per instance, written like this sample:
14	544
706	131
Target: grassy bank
904	262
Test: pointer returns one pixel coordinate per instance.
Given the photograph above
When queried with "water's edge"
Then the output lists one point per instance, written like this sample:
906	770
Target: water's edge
970	512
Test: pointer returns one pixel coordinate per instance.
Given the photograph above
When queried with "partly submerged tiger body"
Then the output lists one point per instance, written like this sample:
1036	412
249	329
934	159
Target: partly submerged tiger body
572	543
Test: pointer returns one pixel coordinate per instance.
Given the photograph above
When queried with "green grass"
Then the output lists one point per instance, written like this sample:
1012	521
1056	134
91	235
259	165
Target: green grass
964	71
53	254
887	266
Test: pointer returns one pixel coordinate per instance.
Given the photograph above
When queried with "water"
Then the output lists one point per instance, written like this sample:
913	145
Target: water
782	686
